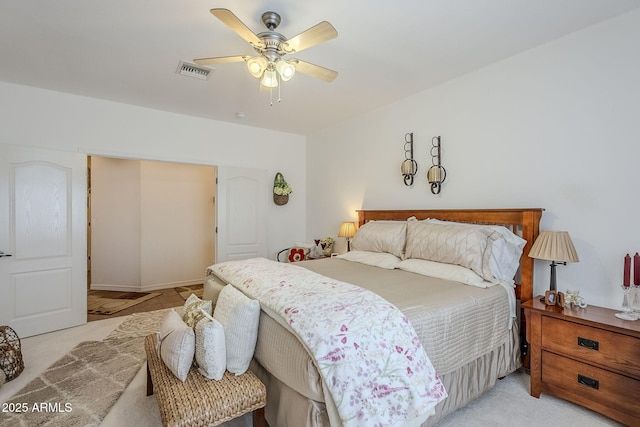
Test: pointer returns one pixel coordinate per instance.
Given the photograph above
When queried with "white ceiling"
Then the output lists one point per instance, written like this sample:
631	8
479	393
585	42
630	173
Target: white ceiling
128	50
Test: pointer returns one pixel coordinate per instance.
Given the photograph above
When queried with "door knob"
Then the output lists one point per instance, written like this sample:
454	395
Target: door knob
3	254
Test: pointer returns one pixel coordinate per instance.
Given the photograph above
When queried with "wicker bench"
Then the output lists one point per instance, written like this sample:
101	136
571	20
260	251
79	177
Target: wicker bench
199	401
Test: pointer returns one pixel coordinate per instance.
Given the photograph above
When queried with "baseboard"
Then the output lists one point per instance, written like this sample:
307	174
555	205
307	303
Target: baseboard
143	288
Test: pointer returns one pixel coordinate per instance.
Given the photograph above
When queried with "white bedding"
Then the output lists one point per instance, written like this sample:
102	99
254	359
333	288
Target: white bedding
369	356
463	330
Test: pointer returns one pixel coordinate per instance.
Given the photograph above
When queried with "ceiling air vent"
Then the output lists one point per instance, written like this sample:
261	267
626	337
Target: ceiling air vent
193	70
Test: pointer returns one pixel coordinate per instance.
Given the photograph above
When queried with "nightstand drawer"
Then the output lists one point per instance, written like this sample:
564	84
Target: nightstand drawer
620	353
585	383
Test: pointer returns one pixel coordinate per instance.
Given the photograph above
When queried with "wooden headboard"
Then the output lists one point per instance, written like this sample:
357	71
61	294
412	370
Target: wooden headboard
523	222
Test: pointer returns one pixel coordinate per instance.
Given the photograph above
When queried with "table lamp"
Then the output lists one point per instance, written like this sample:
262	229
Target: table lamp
347	230
554	246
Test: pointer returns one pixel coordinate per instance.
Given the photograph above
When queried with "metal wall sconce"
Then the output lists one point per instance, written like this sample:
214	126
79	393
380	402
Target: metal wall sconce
436	173
409	166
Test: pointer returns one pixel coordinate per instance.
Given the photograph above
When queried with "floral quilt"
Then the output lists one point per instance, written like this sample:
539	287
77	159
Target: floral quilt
366	350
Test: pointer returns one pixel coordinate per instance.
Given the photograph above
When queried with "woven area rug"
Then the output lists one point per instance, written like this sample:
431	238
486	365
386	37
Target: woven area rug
139	325
80	388
109	302
185	291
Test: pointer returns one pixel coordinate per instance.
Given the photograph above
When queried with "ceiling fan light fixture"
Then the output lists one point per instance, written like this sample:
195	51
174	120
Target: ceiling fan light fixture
256	66
285	69
269	79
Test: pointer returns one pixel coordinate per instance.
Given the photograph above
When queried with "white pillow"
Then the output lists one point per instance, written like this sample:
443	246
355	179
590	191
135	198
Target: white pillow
441	270
239	316
191	309
505	252
212	289
211	352
377	259
381	236
176	345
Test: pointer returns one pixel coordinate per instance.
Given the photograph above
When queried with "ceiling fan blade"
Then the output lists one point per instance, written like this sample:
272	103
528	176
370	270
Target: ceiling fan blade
316	71
220	60
311	37
233	22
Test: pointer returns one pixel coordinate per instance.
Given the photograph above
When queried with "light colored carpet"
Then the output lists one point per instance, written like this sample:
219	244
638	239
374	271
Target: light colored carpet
507	404
110	302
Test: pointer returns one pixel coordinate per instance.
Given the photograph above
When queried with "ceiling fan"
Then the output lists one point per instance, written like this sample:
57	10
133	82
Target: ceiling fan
270	66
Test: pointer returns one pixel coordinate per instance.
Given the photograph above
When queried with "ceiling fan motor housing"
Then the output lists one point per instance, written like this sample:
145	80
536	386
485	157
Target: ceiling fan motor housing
271	20
272	41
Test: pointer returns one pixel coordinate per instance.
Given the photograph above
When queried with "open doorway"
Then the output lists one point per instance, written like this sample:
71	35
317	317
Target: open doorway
151	224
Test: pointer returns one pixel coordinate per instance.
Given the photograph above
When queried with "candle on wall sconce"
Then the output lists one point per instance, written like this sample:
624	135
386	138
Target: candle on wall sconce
409	166
436	173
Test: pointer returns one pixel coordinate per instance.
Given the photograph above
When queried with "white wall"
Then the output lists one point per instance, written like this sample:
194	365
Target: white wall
178	223
115	224
47	119
152	224
555	127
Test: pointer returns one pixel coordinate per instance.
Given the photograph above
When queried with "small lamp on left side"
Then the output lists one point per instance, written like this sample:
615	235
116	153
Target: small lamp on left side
347	230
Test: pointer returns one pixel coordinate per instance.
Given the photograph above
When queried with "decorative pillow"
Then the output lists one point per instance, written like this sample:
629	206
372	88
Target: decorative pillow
381	236
176	345
376	259
239	316
441	270
296	254
211	352
211	290
452	244
191	309
505	252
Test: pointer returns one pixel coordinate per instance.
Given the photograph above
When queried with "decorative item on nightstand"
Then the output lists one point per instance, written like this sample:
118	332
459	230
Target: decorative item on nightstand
322	248
554	246
436	173
627	307
348	230
409	166
635	306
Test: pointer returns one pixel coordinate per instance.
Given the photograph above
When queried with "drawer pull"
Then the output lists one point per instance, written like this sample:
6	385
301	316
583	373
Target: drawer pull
589	382
586	343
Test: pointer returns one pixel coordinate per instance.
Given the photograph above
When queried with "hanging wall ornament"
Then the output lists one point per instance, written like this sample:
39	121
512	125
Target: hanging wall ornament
409	166
281	190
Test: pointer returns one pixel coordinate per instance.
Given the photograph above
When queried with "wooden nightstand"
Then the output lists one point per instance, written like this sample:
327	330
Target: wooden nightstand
587	356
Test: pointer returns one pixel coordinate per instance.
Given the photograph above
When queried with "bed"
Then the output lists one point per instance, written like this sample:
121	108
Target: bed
471	334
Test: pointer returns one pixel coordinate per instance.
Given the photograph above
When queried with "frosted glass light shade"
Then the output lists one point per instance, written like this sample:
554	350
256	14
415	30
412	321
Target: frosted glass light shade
554	246
285	69
269	79
256	66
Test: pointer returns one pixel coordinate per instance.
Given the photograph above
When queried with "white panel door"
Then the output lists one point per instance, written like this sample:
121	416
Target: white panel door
241	214
43	226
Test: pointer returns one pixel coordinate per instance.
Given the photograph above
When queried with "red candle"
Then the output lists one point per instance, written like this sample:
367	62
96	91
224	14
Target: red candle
627	270
636	269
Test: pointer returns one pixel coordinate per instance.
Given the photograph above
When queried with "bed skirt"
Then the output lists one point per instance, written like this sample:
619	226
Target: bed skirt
288	408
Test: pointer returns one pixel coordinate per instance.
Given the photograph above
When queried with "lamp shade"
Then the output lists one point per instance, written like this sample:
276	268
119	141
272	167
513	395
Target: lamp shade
347	229
286	70
269	79
256	66
554	246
